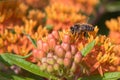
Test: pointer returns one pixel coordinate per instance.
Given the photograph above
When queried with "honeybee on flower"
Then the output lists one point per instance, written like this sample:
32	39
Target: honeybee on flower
79	28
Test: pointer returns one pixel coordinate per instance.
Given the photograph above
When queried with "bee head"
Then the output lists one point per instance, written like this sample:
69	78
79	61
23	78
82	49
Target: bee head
72	29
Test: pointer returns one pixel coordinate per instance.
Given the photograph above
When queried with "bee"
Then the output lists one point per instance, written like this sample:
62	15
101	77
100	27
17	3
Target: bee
79	28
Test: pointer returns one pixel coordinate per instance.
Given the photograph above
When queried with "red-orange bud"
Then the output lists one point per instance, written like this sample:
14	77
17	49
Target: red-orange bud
38	54
45	47
52	43
65	46
55	34
39	44
67	62
50	36
56	48
73	49
77	57
60	52
68	55
66	38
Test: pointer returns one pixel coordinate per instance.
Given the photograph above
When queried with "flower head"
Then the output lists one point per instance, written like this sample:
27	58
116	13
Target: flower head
67	16
65	51
114	27
114	35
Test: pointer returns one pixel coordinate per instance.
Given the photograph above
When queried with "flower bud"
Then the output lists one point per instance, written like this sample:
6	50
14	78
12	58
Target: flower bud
73	49
56	66
55	34
66	38
55	57
56	48
39	44
52	43
34	52
60	61
65	46
67	62
43	66
50	36
38	54
44	60
50	61
60	52
45	47
77	57
73	67
50	54
68	55
49	68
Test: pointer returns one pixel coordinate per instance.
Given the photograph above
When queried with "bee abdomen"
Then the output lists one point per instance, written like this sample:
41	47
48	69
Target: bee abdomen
87	28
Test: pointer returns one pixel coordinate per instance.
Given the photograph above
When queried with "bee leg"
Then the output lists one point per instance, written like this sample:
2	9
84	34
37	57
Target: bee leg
78	36
85	34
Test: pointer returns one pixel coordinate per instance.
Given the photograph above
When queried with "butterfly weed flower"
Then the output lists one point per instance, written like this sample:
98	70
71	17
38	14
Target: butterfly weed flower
11	12
84	6
58	54
66	59
114	27
114	34
102	56
14	40
37	4
67	16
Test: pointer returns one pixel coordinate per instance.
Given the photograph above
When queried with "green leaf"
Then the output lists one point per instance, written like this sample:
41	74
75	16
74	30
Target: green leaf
20	78
5	58
32	40
106	76
6	76
88	48
4	62
113	7
26	56
25	65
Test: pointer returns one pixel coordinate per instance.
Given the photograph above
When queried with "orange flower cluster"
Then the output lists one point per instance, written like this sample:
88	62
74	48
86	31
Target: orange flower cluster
36	15
14	21
56	54
36	3
67	16
10	11
60	51
114	35
102	58
85	6
14	40
14	13
114	26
